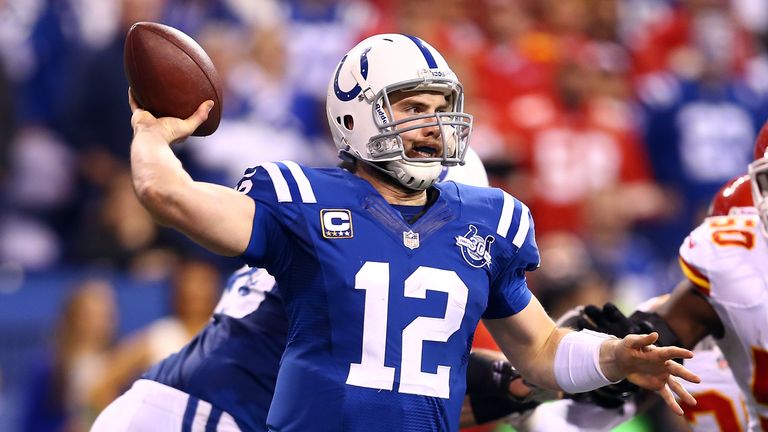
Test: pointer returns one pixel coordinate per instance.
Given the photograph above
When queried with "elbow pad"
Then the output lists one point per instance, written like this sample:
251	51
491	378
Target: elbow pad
489	375
488	381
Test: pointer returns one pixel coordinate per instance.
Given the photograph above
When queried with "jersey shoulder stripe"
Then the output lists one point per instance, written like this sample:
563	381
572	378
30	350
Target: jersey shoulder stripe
514	213
522	228
278	182
506	215
282	182
697	278
305	189
492	209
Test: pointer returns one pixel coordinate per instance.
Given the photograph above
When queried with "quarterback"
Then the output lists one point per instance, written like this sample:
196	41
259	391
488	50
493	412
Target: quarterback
385	273
214	381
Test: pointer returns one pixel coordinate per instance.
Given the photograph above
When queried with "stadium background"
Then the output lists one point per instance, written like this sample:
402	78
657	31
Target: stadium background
615	120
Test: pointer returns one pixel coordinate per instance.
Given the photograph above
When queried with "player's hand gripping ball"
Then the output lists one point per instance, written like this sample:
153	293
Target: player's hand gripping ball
170	74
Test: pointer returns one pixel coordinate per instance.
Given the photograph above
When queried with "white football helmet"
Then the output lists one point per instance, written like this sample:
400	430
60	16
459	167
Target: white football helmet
360	115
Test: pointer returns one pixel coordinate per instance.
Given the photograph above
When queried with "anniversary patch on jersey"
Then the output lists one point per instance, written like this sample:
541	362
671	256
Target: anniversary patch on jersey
475	249
336	223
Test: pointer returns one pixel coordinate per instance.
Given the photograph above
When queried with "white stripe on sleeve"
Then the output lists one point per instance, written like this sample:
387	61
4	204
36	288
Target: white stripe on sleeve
201	416
522	229
305	189
278	181
506	215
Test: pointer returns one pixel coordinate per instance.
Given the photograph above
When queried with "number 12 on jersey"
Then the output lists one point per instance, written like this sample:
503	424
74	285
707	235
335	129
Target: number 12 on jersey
371	372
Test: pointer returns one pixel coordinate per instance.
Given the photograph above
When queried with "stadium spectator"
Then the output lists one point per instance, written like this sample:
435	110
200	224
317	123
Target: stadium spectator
58	397
195	289
573	142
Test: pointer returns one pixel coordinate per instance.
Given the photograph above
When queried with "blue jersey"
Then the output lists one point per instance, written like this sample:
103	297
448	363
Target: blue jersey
232	363
381	313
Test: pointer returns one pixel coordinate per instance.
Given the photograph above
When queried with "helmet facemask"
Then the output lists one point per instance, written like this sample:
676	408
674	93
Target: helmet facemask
758	173
387	149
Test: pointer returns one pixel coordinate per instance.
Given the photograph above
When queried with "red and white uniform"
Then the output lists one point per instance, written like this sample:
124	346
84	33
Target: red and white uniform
726	258
721	405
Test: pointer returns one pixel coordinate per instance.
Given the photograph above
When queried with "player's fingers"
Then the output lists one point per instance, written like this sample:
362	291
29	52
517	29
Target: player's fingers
673	352
184	128
613	313
680	391
640	341
678	370
594	316
670	400
200	115
593	312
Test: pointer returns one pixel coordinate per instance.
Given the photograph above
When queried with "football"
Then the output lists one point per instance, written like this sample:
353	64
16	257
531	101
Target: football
170	74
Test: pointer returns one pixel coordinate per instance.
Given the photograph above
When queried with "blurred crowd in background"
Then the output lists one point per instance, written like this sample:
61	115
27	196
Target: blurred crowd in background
614	120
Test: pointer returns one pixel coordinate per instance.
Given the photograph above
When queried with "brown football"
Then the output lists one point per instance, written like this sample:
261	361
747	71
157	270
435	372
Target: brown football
170	74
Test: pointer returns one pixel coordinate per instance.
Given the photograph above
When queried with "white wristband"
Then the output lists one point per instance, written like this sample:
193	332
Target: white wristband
577	362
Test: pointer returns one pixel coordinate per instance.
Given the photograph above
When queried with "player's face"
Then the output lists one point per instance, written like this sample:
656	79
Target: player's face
426	141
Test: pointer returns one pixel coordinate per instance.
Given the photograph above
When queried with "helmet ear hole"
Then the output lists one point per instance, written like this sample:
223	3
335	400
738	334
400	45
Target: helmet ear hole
349	122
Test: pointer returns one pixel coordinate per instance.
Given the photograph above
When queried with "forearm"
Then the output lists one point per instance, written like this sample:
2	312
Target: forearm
531	353
158	176
539	369
217	217
552	357
578	363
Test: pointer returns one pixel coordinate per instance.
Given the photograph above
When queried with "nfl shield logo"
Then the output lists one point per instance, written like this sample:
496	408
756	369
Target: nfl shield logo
411	239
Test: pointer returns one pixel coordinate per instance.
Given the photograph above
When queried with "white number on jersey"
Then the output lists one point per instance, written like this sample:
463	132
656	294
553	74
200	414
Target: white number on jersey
373	277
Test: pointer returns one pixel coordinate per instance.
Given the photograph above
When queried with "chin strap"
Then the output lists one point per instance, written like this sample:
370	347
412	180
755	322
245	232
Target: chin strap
414	175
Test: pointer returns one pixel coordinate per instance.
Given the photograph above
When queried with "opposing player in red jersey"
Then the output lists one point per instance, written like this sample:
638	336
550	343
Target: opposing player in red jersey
725	293
721	403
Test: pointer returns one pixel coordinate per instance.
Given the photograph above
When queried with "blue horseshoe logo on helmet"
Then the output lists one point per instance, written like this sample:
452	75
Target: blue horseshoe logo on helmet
349	95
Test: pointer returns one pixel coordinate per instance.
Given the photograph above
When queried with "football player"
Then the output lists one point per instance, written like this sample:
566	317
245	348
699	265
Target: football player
216	372
385	274
725	293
